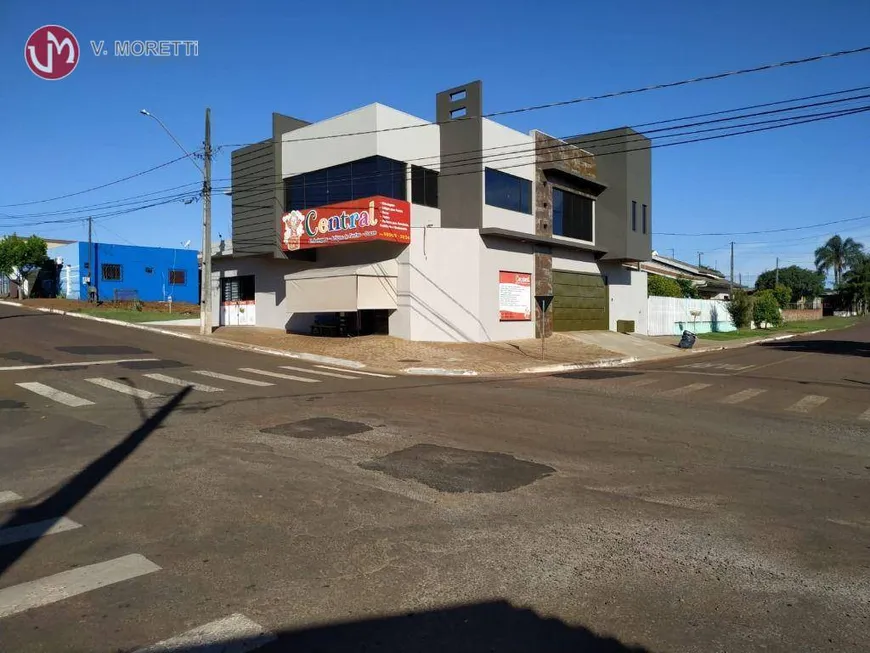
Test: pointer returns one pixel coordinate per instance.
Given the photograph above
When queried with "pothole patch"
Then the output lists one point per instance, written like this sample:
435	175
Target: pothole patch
94	350
596	375
23	357
152	365
448	469
318	428
10	404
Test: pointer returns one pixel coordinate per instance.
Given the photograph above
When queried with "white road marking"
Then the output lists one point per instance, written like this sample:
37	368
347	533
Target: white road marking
743	395
310	371
646	381
73	582
236	379
344	369
233	634
45	366
36	530
278	375
55	395
807	404
123	388
684	390
865	416
7	497
171	379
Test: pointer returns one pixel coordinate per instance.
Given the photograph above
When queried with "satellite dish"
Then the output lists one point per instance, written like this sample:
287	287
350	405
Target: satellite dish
186	244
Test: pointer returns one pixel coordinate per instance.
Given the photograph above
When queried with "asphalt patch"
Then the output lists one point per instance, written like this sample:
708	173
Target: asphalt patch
9	404
23	357
96	350
447	469
318	428
152	365
596	375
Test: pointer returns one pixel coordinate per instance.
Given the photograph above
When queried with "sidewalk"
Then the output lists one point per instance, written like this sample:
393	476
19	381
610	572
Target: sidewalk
390	354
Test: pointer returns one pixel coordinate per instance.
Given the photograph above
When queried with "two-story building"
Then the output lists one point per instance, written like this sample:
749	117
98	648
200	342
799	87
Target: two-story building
436	231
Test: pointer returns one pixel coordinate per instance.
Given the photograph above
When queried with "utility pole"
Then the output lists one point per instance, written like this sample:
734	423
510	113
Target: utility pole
90	256
205	283
776	274
731	292
699	259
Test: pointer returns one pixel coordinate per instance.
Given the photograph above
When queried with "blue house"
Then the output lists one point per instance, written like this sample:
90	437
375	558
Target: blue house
150	274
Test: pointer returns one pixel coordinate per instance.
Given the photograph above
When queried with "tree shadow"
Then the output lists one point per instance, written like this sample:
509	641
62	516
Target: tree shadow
836	347
50	509
494	626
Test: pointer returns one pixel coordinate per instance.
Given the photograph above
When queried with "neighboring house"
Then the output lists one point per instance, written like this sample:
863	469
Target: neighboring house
439	231
710	285
128	272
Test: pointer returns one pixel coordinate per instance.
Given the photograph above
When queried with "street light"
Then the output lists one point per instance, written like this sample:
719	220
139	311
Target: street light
205	282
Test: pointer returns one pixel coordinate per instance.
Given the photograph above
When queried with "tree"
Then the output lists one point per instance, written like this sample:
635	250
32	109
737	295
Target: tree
854	290
688	288
837	255
21	256
765	309
803	283
740	309
658	286
783	295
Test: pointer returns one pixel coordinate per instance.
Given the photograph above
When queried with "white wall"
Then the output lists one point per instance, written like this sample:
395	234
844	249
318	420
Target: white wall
670	315
575	262
513	152
515	257
419	143
628	297
269	288
298	155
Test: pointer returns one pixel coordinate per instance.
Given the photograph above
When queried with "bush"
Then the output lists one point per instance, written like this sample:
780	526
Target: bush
740	309
657	286
765	309
782	295
688	288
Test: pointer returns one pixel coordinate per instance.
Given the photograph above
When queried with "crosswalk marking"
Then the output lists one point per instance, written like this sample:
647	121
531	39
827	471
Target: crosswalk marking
72	582
36	530
235	379
55	395
807	404
310	371
741	396
174	381
123	388
865	416
683	390
343	369
278	375
233	634
8	497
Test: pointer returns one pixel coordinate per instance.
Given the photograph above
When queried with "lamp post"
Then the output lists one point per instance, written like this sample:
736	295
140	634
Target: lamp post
205	320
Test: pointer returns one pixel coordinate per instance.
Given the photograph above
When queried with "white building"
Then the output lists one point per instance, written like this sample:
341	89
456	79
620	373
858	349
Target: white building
381	222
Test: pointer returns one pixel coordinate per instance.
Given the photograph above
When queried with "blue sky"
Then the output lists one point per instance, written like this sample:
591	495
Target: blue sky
314	60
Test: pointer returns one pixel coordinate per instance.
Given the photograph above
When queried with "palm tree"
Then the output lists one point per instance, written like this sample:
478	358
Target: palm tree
838	254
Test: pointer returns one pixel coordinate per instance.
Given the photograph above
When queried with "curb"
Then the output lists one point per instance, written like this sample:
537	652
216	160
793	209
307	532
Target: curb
570	367
315	358
758	342
437	371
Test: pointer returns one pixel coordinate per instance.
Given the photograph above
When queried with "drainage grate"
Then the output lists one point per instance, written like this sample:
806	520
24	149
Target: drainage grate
318	428
458	470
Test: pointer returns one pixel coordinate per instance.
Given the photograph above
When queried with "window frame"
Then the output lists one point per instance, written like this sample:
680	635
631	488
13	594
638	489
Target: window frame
643	220
247	287
524	191
633	215
104	277
380	175
592	203
423	179
180	271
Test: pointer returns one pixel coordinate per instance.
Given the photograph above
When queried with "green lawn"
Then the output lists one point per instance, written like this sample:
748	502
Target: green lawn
136	316
793	327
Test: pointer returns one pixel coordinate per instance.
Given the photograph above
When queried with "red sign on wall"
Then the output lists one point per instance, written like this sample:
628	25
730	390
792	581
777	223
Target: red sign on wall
514	296
355	221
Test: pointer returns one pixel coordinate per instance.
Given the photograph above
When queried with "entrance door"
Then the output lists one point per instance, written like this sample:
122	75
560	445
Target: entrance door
580	302
238	307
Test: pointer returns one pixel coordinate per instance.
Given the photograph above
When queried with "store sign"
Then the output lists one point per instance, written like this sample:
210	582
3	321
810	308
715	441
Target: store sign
355	221
514	296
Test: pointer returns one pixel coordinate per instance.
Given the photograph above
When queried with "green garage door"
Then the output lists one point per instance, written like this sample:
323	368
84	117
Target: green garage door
579	302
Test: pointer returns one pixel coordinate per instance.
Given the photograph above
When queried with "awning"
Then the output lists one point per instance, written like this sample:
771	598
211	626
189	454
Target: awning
345	288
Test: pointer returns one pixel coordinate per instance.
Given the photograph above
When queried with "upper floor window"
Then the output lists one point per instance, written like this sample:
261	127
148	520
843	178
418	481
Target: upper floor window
633	215
573	215
375	175
507	191
424	186
643	217
112	272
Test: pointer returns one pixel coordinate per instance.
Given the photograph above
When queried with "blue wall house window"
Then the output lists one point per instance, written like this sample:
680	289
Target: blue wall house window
177	277
112	272
508	191
573	215
375	175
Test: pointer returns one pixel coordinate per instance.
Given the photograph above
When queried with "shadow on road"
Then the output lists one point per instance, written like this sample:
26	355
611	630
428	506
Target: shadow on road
838	347
68	495
495	626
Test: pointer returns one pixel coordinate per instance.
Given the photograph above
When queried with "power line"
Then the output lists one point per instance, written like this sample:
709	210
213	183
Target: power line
590	98
766	231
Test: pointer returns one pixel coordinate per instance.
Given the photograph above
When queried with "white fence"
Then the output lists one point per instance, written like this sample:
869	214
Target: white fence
669	316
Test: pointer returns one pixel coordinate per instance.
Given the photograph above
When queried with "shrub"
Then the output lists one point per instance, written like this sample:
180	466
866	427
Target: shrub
783	295
688	288
740	309
657	286
765	309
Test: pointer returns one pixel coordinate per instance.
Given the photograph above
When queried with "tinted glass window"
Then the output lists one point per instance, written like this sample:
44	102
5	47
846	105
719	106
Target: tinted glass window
507	191
572	215
424	186
375	175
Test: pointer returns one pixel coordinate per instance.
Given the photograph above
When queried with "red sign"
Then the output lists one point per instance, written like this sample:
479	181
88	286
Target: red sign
51	52
514	296
355	221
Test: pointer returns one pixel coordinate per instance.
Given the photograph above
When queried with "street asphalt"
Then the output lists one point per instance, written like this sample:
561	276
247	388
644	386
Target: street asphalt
712	502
